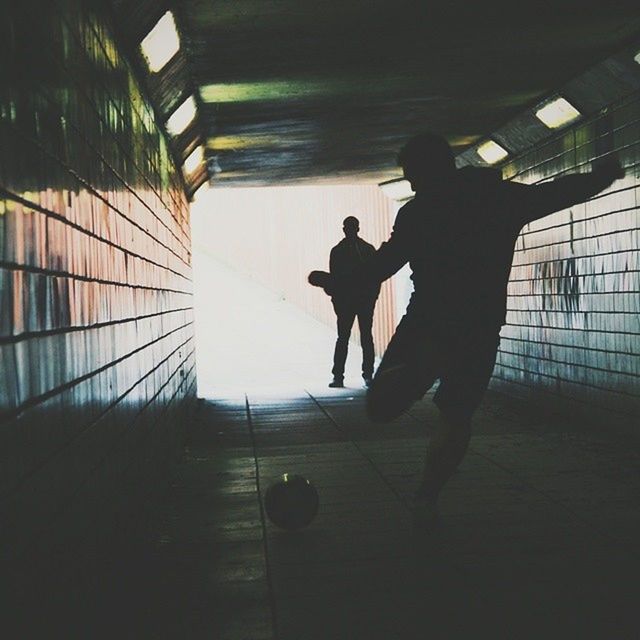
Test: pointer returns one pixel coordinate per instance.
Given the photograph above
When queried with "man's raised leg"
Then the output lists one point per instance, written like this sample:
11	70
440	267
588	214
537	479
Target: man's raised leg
405	374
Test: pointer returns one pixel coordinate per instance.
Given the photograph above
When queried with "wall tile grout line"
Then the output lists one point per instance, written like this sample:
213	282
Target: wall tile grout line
272	596
29	335
14	266
34	542
60	218
122	147
7	493
72	172
558	378
5	416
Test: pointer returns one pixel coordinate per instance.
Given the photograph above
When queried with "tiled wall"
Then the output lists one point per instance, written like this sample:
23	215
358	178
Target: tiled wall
572	337
96	339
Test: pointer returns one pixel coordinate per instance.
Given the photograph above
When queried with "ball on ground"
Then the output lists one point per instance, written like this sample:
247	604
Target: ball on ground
292	502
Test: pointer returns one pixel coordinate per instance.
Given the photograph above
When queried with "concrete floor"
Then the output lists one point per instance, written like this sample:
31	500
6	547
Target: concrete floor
540	532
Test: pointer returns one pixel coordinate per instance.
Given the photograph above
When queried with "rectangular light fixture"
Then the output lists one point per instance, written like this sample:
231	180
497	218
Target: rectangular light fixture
397	190
491	152
193	161
161	43
201	191
557	113
182	117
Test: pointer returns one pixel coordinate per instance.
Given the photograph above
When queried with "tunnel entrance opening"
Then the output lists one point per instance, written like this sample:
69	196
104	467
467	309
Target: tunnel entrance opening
259	326
249	338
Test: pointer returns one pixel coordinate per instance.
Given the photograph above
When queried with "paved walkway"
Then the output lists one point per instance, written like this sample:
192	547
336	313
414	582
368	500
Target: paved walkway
540	533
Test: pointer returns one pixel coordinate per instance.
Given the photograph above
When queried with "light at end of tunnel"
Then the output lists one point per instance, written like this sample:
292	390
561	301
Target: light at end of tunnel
491	152
193	161
397	189
557	113
182	117
161	43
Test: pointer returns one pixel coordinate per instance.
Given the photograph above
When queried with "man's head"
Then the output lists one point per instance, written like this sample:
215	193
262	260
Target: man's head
351	226
426	160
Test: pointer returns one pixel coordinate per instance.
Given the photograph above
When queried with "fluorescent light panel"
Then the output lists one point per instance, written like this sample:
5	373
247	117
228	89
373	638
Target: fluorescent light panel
161	43
397	189
193	161
491	152
182	117
557	113
201	190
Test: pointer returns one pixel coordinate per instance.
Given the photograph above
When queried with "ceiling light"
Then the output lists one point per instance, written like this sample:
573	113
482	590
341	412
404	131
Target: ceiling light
182	117
637	57
491	152
397	189
161	43
200	191
557	113
193	161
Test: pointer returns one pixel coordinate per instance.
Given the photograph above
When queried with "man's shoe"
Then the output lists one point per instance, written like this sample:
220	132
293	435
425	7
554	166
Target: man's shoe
337	383
367	381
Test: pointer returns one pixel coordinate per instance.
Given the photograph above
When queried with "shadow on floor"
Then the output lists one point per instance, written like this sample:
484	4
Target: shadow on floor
540	533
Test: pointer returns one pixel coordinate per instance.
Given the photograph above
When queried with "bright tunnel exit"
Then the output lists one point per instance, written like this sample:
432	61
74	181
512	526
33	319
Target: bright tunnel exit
259	325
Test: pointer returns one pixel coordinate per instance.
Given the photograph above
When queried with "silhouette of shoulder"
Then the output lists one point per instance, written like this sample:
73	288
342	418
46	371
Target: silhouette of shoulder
406	213
367	247
346	246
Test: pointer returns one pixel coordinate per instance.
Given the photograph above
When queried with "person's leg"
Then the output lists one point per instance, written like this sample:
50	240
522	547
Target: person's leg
463	384
445	451
345	318
406	373
365	323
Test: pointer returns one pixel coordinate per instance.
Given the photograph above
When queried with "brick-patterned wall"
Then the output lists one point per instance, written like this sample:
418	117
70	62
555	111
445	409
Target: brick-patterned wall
277	235
96	339
572	337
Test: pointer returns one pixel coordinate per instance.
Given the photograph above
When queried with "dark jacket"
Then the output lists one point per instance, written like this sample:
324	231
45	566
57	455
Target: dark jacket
459	241
346	263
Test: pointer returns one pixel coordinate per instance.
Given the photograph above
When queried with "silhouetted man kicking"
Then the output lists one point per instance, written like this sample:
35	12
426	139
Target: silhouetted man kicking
352	297
458	234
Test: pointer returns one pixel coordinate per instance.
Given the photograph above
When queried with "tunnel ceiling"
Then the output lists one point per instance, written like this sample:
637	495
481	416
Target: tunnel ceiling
298	91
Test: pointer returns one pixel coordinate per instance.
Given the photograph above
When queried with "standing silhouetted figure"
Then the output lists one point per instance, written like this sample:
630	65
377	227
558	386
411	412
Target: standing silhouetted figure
352	298
458	235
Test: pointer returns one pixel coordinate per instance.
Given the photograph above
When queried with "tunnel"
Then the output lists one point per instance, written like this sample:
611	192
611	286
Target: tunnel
170	173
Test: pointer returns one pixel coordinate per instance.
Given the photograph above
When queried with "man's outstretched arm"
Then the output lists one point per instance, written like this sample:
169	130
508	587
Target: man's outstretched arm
537	201
392	254
382	264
